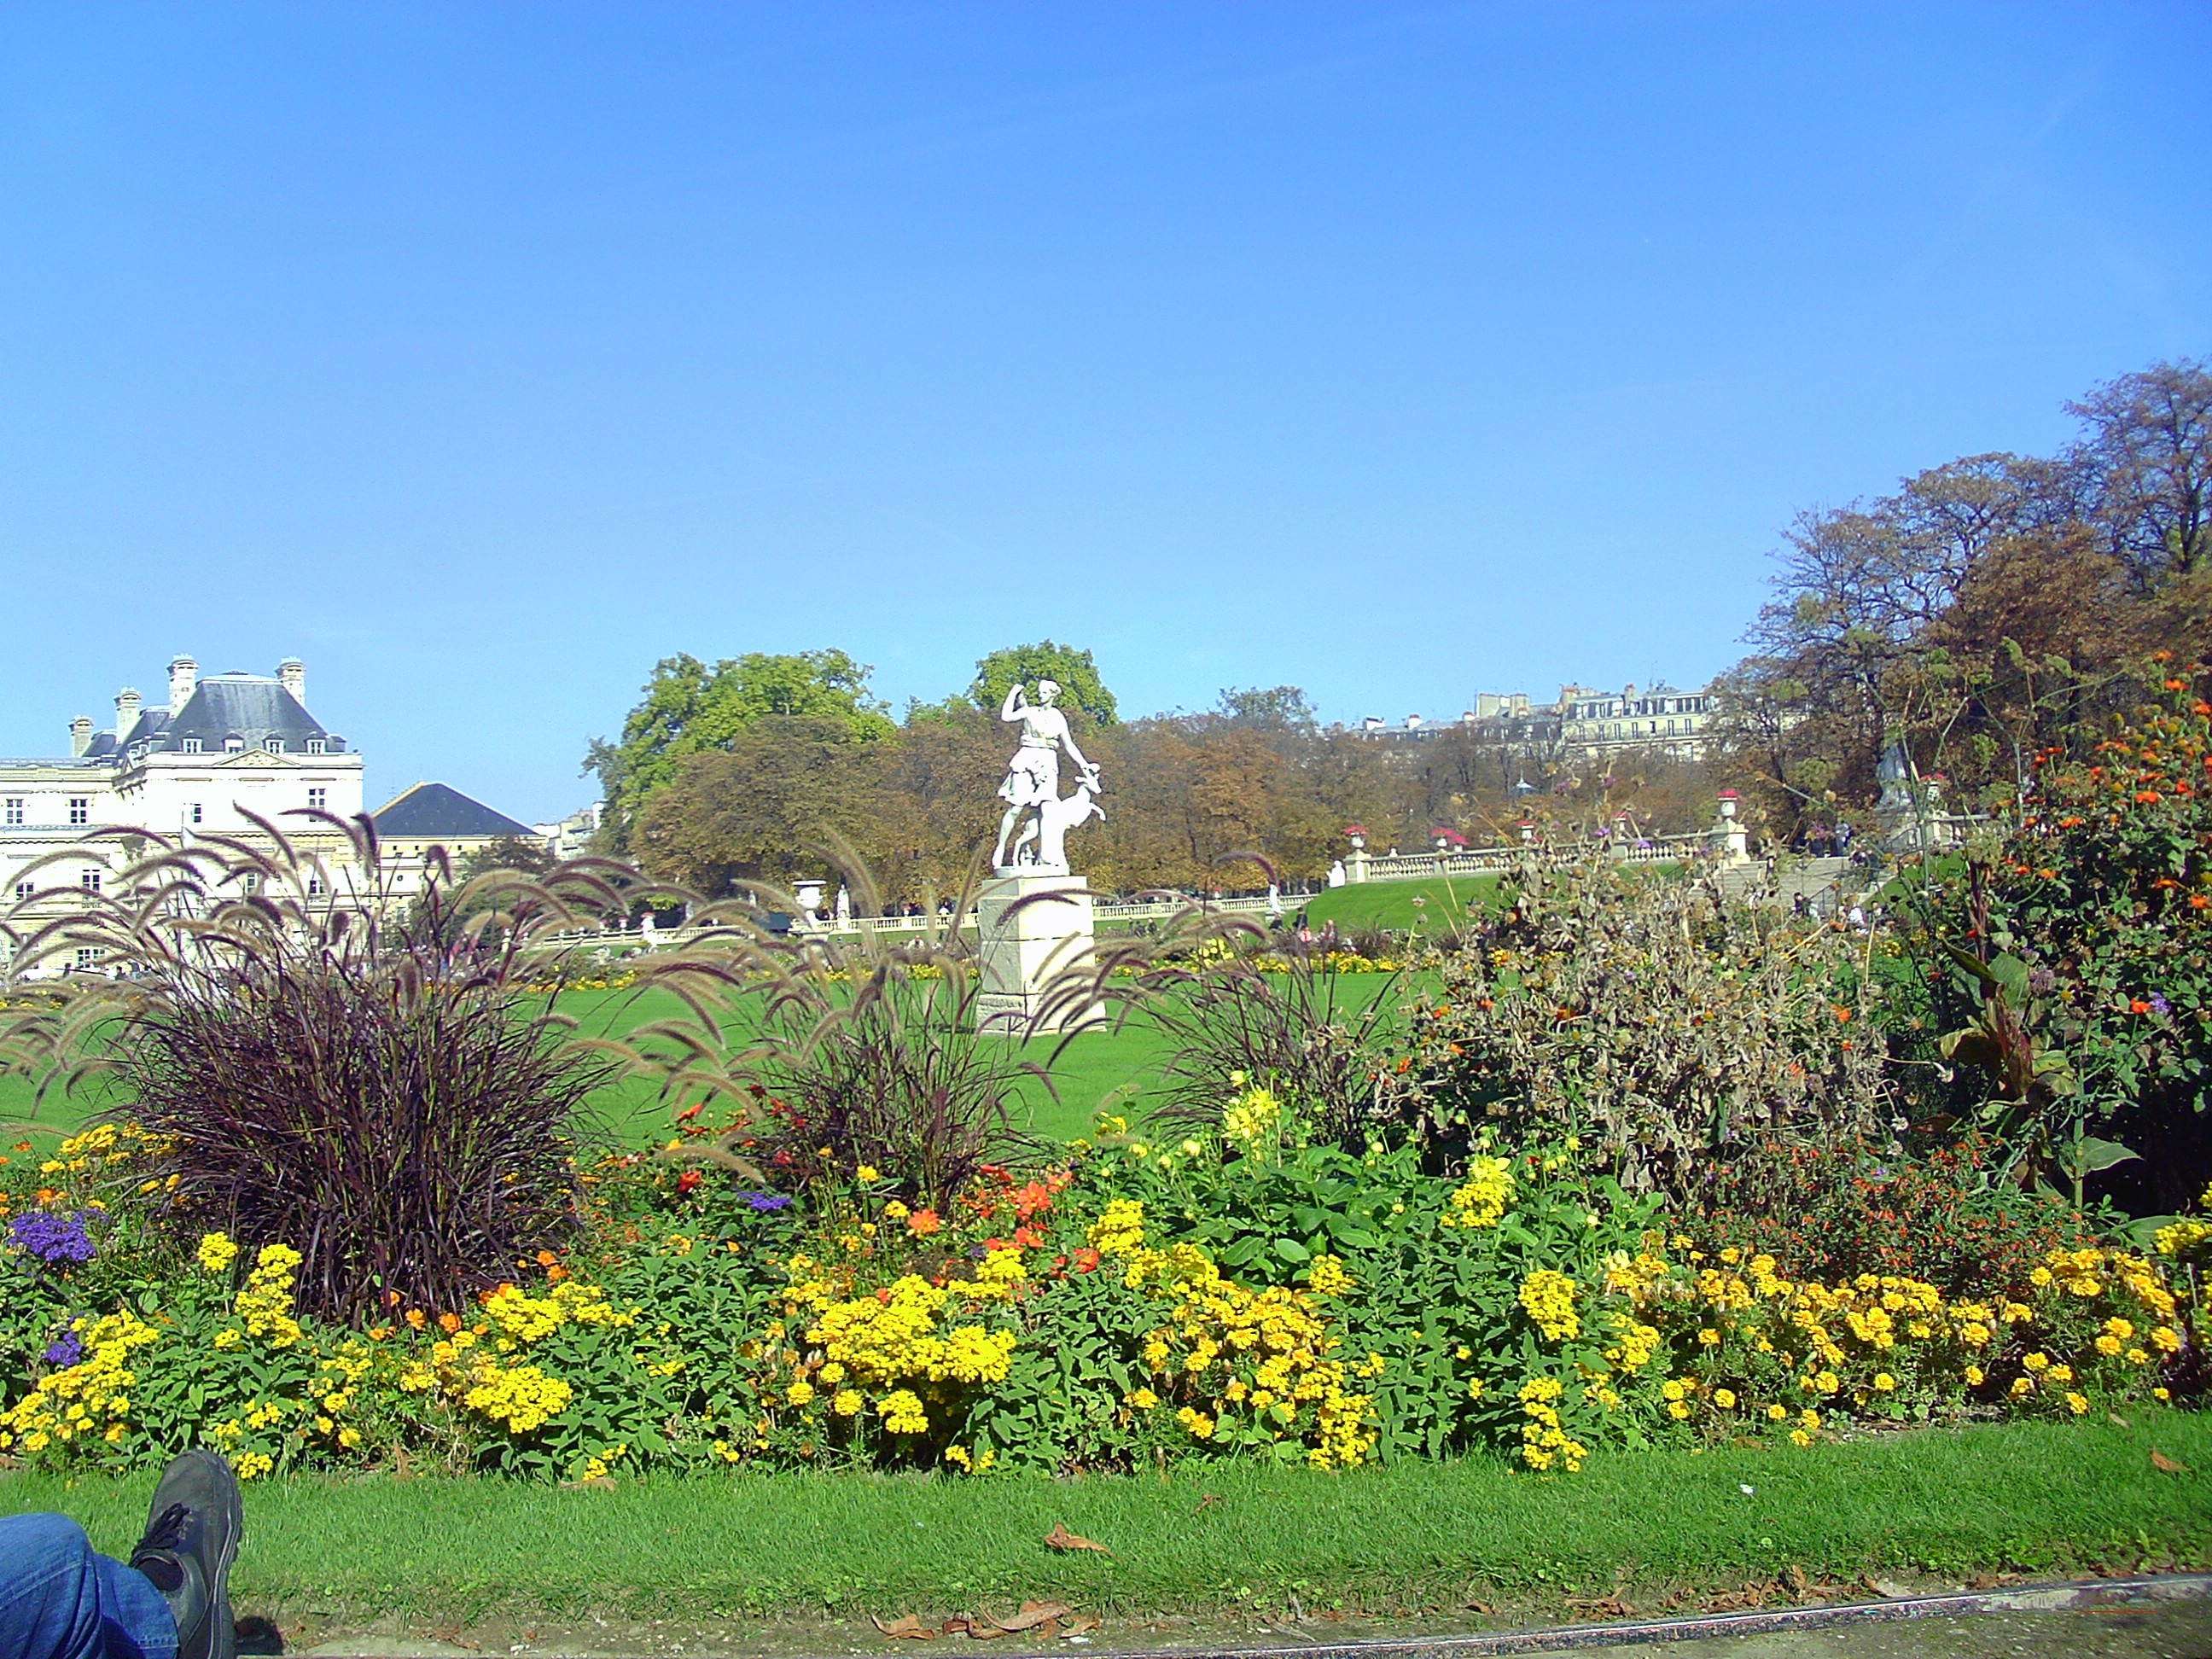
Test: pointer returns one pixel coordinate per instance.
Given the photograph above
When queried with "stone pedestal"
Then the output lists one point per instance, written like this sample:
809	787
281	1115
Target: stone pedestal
1024	944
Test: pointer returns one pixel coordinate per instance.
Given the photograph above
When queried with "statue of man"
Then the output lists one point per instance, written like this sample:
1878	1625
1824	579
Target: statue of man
1033	774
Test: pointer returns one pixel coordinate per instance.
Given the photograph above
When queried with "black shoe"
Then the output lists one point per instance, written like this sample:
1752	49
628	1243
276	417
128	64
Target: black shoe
191	1538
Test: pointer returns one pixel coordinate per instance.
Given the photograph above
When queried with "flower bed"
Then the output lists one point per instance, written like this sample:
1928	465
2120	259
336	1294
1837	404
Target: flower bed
1237	1293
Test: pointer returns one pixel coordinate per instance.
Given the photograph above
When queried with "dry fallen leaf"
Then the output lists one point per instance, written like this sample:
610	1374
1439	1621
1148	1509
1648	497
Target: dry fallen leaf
1060	1539
1032	1614
1206	1502
908	1625
2165	1465
2122	1421
596	1483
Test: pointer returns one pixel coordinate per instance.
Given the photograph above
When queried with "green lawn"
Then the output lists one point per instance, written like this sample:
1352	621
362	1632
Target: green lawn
1390	904
2034	1498
1123	1064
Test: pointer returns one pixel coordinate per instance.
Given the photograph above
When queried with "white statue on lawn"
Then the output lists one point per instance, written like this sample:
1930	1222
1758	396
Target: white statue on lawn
1031	790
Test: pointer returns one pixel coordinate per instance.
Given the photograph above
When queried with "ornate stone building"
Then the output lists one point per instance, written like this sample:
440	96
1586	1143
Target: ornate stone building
221	747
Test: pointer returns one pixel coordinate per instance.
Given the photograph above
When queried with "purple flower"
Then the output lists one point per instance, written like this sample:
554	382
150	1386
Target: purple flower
2159	1004
765	1202
64	1350
52	1238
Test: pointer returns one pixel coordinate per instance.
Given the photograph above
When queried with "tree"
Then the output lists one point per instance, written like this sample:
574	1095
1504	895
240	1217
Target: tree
2149	450
690	709
753	809
1080	684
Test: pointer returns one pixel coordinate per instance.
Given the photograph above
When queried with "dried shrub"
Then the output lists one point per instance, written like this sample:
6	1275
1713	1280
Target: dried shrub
325	1063
1641	1013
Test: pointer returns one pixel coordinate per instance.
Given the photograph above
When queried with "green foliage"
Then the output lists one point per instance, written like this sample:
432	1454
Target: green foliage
690	708
1078	675
1946	1214
2078	947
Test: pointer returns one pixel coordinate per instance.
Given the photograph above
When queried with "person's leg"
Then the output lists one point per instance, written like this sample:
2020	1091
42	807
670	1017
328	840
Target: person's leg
59	1600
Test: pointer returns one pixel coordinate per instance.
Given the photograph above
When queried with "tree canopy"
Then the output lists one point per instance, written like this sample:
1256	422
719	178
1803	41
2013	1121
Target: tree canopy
1080	687
690	708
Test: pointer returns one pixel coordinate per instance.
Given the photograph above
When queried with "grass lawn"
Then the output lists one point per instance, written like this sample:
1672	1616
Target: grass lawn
1124	1063
2039	1499
1390	903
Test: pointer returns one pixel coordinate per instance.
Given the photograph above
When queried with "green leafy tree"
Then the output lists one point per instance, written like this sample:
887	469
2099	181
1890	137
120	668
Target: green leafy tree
1080	684
690	708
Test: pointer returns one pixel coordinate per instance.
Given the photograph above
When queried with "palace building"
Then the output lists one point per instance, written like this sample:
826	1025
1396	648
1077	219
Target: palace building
221	747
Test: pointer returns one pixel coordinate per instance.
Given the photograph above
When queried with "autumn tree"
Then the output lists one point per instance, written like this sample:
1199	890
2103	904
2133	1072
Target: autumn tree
755	808
689	709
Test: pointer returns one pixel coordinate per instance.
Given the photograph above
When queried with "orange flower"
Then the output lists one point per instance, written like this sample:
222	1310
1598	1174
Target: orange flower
2198	902
449	1322
415	1317
2138	1006
922	1223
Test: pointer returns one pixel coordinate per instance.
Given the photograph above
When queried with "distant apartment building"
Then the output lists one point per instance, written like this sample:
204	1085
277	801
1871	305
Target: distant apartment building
1584	724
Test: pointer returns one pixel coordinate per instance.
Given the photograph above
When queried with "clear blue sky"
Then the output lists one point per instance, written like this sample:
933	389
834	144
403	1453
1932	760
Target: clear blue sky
483	355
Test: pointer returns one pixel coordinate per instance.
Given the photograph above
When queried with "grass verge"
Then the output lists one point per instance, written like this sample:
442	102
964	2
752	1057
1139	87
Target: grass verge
2042	1499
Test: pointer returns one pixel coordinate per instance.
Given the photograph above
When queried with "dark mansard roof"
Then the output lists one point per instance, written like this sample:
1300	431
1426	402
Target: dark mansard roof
430	810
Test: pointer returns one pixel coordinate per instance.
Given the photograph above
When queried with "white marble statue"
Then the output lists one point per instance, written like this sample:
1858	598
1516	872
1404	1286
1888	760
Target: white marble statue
1054	818
1031	790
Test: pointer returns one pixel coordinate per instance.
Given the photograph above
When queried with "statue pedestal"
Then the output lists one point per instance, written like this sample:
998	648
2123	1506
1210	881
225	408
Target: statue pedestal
1024	944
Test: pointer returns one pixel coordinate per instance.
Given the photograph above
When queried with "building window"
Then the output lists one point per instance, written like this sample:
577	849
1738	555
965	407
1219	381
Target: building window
319	800
314	745
233	745
86	957
80	809
192	812
14	809
23	891
274	746
88	878
314	886
189	746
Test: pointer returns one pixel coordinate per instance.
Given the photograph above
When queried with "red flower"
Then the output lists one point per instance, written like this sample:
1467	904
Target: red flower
688	1180
691	1112
1086	1260
2138	1006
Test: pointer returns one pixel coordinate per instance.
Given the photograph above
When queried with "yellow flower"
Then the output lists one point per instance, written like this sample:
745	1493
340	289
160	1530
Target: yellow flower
846	1402
1799	1438
1884	1383
867	1172
799	1392
2038	1361
1725	1399
1974	1377
1776	1413
2075	1403
216	1253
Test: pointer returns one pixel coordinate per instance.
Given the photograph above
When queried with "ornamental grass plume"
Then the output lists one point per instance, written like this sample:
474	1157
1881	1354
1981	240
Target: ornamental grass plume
311	1057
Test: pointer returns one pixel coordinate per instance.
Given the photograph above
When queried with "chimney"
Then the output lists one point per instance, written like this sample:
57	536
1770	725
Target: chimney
292	674
80	734
127	713
184	680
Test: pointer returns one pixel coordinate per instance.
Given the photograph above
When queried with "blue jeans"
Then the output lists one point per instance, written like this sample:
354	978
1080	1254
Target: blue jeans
60	1600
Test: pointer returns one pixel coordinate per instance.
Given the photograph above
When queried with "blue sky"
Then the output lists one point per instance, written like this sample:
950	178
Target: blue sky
480	355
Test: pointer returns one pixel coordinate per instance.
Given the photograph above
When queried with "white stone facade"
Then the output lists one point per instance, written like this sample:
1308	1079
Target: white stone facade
219	747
